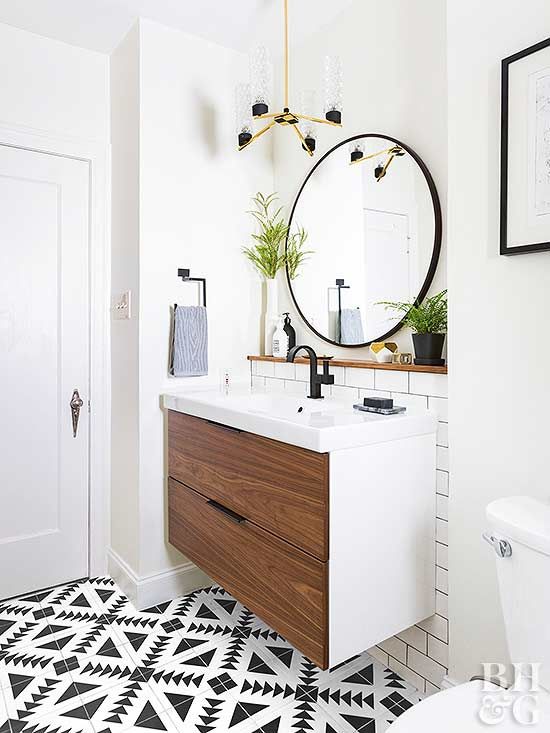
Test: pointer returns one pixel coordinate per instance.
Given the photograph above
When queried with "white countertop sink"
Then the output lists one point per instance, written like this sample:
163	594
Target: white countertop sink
319	425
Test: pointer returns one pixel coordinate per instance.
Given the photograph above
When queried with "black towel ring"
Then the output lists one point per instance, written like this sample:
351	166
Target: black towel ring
185	276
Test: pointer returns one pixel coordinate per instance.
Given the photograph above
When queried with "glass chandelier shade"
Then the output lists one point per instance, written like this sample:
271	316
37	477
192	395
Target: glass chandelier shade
260	80
243	113
307	126
334	89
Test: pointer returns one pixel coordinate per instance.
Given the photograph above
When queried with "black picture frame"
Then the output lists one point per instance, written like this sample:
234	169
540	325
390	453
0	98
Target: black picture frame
505	249
438	230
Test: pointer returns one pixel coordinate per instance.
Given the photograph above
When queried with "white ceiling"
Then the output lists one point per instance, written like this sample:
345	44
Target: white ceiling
100	24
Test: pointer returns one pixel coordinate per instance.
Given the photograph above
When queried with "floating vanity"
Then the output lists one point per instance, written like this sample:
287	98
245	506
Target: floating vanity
315	516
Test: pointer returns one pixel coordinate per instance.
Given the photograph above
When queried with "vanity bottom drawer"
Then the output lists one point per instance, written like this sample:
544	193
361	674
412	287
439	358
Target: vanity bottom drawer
285	587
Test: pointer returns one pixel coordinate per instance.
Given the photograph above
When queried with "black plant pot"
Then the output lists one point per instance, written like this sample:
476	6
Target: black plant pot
428	348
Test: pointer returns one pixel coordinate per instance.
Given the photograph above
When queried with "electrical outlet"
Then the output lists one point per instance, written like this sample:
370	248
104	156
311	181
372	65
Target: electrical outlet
121	306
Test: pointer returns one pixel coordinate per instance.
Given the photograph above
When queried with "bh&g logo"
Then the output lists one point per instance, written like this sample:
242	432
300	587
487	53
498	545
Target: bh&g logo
518	702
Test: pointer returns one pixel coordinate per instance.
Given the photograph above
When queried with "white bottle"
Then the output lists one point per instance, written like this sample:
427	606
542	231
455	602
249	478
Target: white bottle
280	340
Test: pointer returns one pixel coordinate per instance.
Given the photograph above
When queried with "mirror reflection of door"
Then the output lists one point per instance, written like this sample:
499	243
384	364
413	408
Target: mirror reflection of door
373	238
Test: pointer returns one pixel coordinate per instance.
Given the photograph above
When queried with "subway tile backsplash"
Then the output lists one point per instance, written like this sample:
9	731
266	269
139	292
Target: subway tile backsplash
420	653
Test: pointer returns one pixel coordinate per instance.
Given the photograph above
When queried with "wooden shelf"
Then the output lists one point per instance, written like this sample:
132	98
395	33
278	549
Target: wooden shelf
361	364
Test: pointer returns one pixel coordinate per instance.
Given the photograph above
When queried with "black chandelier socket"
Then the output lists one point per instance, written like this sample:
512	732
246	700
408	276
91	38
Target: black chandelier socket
335	116
260	108
244	138
356	155
309	144
379	172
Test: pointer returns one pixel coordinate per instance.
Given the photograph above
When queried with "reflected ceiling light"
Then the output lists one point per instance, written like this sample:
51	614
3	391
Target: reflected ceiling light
252	100
357	155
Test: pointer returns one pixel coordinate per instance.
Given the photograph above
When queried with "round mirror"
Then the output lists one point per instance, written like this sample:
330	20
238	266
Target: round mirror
373	219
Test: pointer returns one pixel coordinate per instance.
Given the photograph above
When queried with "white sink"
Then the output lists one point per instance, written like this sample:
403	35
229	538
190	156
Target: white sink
319	425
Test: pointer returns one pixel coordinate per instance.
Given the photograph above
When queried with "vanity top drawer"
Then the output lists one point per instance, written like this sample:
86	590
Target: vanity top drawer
280	487
284	586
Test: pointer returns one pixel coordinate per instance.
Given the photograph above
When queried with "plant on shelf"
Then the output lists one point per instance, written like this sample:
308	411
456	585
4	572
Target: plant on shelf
267	252
428	321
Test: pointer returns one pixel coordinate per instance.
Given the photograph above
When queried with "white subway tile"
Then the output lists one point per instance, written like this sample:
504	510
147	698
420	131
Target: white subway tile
406	673
258	382
395	648
438	651
344	393
442	604
442	459
285	371
253	367
415	637
442	555
265	368
442	483
412	401
373	393
274	385
436	626
433	385
442	531
431	689
440	407
442	507
441	580
363	378
302	372
378	654
391	381
443	434
425	667
338	373
298	388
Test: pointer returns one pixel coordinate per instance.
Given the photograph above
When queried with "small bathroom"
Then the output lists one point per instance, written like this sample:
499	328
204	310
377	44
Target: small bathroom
274	366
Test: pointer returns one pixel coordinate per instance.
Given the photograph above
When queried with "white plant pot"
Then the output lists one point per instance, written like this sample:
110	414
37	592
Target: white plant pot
271	315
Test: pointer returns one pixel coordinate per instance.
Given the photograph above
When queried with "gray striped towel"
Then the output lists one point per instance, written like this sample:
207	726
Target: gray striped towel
190	345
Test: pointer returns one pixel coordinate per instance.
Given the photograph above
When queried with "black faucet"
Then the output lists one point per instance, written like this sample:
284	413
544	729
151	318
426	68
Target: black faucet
315	380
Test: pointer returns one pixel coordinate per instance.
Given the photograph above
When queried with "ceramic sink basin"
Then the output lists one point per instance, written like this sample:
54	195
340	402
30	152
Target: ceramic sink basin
319	425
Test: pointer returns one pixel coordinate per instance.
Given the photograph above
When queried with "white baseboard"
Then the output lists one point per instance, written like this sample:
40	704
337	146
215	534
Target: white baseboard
155	588
448	682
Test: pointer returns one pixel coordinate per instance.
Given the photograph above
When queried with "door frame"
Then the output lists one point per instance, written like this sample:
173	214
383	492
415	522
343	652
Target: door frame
98	156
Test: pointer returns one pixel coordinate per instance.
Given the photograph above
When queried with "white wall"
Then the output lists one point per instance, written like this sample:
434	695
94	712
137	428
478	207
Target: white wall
51	86
499	346
125	111
194	191
394	62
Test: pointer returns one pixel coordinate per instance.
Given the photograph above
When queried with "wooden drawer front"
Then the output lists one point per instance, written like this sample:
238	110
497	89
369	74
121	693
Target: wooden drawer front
281	584
280	487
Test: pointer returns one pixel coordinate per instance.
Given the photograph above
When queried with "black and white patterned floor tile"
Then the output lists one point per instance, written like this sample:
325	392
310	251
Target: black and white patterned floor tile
80	658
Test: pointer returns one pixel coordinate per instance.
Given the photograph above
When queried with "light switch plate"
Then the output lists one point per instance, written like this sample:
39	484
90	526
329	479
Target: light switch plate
121	306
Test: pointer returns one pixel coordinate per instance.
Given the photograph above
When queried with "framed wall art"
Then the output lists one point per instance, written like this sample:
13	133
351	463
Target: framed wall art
525	151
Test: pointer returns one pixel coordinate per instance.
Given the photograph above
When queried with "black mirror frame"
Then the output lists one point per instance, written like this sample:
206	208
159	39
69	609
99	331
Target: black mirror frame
438	228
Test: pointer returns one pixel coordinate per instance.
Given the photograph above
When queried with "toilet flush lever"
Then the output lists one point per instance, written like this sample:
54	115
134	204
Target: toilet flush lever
502	547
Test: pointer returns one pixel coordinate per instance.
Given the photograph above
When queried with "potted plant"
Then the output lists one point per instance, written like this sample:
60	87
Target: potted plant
268	255
428	321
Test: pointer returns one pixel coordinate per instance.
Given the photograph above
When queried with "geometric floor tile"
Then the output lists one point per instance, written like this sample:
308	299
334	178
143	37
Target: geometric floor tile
80	659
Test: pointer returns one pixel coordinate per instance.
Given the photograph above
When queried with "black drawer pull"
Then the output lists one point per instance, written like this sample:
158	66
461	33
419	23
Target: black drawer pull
233	516
230	428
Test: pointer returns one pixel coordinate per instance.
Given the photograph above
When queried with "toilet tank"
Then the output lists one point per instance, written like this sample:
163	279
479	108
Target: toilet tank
524	577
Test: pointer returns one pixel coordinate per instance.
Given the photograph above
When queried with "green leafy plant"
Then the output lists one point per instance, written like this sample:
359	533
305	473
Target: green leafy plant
267	253
430	316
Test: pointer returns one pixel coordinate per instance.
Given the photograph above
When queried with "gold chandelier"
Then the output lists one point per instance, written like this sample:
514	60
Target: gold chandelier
252	100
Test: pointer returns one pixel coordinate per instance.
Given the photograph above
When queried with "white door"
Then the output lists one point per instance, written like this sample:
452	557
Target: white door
44	335
387	266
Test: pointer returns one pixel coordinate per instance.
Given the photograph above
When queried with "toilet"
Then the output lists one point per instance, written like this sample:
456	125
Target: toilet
520	535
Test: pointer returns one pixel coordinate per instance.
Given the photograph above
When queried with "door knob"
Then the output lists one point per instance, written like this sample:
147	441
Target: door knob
76	405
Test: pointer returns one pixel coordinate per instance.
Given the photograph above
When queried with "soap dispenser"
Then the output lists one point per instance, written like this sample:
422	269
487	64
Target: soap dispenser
280	340
290	332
